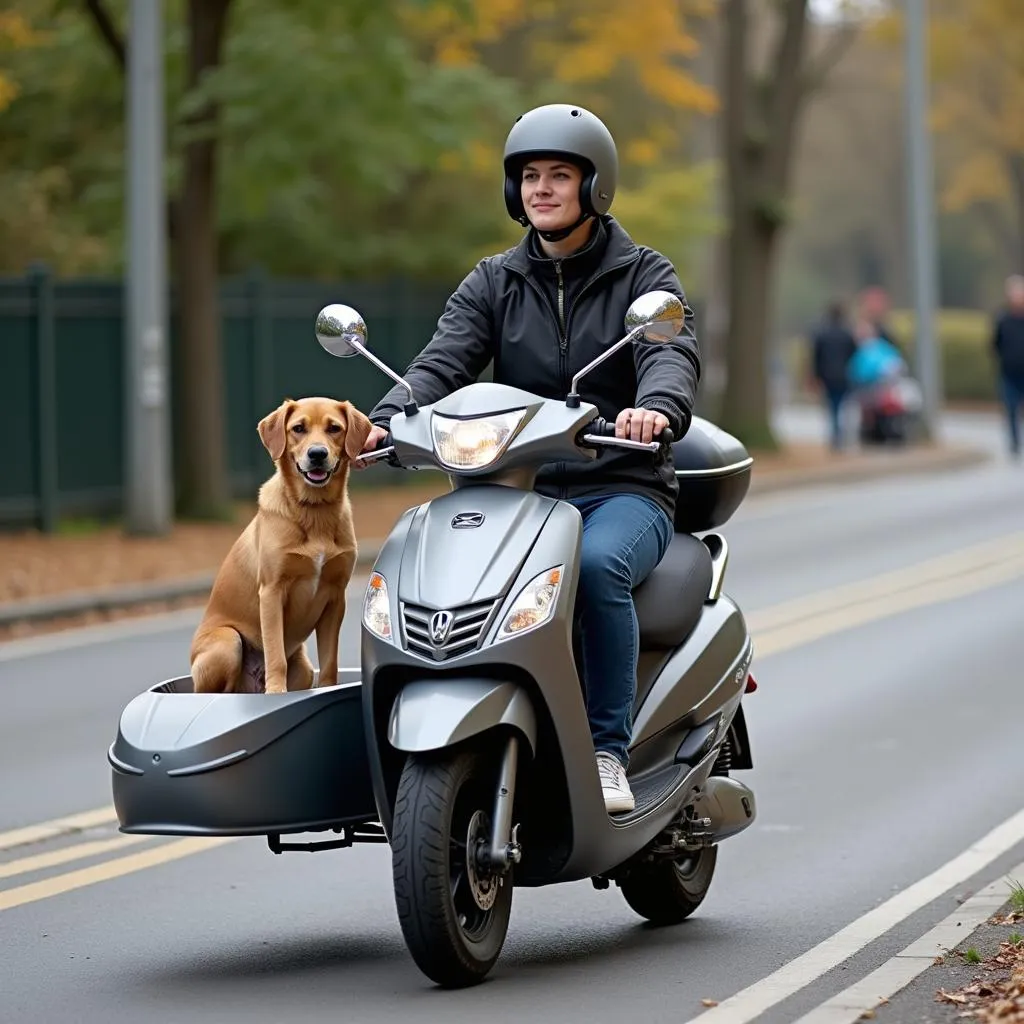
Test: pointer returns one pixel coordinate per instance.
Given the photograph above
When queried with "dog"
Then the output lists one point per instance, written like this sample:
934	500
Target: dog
286	574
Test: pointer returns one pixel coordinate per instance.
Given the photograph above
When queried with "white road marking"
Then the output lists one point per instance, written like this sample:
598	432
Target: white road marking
752	1001
882	984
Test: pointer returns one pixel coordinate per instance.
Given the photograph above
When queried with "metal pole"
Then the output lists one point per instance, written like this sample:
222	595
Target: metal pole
921	208
149	495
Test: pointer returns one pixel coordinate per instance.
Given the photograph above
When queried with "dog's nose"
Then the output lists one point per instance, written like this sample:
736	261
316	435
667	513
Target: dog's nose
317	453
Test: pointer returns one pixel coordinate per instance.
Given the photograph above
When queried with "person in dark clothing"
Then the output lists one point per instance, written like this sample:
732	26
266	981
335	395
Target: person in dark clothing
1008	345
540	312
833	346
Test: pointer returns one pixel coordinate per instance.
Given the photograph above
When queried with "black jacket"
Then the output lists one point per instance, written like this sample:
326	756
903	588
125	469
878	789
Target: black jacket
507	311
834	346
1008	341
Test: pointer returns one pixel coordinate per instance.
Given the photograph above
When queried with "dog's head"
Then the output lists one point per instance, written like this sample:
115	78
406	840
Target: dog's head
311	439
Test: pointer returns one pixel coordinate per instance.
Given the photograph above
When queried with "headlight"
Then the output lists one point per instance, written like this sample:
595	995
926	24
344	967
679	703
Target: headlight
377	607
534	605
475	443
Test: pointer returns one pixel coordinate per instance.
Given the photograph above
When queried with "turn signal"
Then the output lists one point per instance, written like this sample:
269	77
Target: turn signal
751	683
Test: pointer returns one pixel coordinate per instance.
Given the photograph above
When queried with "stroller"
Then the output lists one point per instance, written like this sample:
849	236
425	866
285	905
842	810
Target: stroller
888	397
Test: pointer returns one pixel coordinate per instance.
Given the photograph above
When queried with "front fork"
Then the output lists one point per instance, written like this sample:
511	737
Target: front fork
504	849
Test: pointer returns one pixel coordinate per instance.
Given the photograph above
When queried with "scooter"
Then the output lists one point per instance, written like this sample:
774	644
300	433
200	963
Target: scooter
463	739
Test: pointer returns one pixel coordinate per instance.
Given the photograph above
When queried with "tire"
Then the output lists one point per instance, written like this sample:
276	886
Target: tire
668	892
454	920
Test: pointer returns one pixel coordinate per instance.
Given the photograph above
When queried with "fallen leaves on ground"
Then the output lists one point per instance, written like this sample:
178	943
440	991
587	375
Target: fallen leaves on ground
996	995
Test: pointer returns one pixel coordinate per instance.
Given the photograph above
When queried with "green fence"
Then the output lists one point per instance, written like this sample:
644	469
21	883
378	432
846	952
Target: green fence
62	408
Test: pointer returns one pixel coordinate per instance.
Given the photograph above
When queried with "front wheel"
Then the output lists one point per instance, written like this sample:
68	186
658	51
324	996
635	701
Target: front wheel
669	891
454	914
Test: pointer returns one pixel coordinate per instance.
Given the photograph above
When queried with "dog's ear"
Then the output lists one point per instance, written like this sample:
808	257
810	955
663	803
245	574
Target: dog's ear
357	430
272	429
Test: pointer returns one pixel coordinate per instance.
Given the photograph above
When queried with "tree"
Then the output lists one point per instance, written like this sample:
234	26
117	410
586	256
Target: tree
978	65
763	101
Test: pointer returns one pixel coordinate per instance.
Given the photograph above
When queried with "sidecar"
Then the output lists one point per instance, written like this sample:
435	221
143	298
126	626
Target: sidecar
187	763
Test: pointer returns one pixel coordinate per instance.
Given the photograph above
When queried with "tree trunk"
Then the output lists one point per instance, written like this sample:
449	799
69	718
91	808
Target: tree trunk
759	130
200	449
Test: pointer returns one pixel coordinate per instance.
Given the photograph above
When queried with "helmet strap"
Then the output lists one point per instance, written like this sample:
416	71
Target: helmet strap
563	233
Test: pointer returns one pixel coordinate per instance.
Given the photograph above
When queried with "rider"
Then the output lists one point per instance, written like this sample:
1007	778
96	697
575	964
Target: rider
541	311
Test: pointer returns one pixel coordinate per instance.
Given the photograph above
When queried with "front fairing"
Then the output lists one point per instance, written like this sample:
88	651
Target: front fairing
546	433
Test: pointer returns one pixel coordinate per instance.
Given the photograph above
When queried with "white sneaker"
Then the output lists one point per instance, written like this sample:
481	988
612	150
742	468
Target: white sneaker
618	797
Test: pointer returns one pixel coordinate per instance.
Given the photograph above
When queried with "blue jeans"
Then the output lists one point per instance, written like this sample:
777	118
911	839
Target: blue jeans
624	538
834	397
1013	395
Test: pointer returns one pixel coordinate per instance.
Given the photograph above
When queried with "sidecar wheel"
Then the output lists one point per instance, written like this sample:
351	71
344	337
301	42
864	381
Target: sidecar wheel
454	916
668	892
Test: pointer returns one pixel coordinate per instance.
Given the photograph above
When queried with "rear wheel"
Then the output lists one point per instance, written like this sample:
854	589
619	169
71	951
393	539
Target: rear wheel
453	912
669	891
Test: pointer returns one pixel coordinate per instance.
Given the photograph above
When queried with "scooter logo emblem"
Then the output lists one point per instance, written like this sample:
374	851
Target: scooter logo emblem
467	520
440	627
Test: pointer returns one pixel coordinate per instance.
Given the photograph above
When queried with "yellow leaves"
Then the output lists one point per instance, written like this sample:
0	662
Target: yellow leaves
578	42
981	177
642	152
15	34
8	91
977	63
678	90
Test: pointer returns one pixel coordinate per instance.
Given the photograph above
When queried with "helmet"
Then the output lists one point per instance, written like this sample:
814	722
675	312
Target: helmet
560	129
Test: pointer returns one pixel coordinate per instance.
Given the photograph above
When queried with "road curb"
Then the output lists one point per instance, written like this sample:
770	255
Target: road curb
875	467
134	594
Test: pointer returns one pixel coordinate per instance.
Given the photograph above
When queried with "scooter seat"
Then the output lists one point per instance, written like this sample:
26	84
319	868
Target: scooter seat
669	602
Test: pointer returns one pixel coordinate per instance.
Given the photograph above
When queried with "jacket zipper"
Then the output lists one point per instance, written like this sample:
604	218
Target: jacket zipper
563	340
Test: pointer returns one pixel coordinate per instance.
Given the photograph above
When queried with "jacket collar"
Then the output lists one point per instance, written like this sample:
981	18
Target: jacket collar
619	249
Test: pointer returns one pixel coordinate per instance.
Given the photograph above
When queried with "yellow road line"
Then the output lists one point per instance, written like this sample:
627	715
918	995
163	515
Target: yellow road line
880	606
80	851
117	868
967	560
57	827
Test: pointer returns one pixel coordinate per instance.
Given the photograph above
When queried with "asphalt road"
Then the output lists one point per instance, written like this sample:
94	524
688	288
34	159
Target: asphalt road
882	750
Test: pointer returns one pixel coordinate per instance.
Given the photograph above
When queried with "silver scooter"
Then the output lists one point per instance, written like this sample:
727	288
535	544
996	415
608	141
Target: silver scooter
463	740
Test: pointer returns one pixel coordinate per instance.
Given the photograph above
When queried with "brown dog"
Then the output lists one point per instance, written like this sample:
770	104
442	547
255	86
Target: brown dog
286	574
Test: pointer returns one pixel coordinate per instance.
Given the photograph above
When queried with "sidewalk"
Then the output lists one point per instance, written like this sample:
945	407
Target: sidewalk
90	574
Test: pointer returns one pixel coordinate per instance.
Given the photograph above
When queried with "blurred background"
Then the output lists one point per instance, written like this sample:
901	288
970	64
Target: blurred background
343	150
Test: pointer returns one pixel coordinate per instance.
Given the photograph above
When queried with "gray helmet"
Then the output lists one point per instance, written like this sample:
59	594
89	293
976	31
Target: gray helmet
560	129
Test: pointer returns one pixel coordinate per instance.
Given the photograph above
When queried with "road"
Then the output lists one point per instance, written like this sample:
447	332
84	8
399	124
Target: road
886	740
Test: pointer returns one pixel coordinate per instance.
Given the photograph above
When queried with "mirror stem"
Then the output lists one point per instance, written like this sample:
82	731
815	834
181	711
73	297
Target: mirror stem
572	400
410	408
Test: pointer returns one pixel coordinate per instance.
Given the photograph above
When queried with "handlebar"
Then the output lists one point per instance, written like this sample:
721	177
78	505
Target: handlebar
601	432
385	450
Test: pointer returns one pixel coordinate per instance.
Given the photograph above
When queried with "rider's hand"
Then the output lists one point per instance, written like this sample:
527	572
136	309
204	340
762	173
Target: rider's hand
640	424
374	438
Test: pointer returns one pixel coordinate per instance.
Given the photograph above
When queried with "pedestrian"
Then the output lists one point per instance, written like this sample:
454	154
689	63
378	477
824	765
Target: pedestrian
1008	346
833	346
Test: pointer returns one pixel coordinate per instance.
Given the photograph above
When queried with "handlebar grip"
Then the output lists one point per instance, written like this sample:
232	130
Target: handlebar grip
606	428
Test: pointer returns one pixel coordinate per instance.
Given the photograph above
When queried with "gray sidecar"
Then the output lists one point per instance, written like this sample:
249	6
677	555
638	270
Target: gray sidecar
195	764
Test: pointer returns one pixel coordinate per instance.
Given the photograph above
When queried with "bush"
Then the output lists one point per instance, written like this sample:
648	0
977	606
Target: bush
968	369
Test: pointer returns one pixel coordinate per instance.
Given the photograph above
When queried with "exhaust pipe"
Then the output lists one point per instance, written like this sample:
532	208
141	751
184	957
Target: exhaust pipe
728	804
